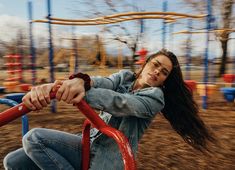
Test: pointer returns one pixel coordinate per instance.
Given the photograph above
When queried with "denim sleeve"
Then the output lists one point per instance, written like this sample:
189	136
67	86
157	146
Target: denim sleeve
111	82
144	104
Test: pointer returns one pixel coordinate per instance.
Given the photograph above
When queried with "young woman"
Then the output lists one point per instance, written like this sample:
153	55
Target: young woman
128	102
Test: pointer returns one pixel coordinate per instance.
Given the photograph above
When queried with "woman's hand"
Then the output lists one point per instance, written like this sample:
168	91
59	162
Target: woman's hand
38	97
70	91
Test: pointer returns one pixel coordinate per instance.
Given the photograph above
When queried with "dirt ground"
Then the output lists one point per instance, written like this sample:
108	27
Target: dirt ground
160	147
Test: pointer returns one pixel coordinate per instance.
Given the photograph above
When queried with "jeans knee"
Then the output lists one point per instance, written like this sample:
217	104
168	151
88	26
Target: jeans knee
8	161
30	139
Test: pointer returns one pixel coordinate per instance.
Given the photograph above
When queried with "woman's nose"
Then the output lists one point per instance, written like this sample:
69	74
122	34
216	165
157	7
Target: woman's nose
156	71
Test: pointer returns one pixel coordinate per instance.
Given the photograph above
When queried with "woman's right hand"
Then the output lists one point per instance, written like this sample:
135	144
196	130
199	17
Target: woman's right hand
38	97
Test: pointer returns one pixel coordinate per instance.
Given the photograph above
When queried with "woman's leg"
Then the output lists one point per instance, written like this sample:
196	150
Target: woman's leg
19	160
51	149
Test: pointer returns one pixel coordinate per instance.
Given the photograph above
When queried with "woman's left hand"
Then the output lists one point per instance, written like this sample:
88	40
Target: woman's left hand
70	91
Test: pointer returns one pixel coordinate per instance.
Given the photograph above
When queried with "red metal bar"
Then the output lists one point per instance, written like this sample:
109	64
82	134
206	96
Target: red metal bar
86	145
13	113
12	56
91	115
14	71
124	146
13	78
128	158
119	137
13	64
17	111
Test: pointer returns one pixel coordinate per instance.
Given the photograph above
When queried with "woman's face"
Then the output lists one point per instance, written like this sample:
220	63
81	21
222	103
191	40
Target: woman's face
155	72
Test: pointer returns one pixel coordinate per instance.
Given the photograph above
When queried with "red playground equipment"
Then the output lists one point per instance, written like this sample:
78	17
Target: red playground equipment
142	53
14	71
15	74
229	90
192	84
14	67
229	78
92	118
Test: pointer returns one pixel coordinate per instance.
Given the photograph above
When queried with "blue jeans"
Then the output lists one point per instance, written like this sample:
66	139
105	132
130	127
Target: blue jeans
46	149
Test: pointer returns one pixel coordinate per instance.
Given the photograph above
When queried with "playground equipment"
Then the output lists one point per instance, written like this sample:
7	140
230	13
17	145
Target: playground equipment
229	92
111	19
209	89
25	87
192	84
15	74
10	85
14	67
164	9
142	53
229	78
14	71
32	49
15	97
125	149
12	103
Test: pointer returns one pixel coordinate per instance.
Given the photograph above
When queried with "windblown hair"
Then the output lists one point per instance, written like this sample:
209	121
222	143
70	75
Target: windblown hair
180	108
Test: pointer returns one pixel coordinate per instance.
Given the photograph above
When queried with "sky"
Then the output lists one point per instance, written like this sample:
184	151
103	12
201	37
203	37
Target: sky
14	15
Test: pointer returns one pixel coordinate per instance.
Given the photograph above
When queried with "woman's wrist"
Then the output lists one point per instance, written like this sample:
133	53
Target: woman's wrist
85	77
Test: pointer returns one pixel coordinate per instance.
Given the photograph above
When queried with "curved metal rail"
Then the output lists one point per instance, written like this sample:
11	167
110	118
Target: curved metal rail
121	17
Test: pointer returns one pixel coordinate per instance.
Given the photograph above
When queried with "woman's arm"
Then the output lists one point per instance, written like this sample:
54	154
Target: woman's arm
111	82
144	104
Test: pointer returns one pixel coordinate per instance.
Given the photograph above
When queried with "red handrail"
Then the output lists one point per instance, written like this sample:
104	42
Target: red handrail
86	145
128	158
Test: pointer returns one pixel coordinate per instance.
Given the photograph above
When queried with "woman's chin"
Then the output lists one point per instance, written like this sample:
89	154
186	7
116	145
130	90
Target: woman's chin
147	85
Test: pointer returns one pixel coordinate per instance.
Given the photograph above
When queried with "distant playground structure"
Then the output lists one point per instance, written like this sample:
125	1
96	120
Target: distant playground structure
210	87
121	17
14	70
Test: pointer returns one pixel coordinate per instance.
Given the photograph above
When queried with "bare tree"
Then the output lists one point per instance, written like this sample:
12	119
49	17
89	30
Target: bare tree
15	45
119	32
224	36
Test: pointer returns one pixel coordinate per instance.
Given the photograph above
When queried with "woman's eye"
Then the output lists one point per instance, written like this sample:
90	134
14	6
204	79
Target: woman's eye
165	73
156	64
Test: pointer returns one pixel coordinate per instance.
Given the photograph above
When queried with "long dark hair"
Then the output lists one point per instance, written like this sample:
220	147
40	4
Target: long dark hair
180	108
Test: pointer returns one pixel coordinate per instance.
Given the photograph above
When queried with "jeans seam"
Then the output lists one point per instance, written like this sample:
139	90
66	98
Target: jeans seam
56	141
43	140
49	156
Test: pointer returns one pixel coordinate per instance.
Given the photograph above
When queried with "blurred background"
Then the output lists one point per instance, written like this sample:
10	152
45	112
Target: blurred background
45	40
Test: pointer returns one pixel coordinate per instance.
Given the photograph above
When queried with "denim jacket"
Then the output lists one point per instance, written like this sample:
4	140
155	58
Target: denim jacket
129	111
